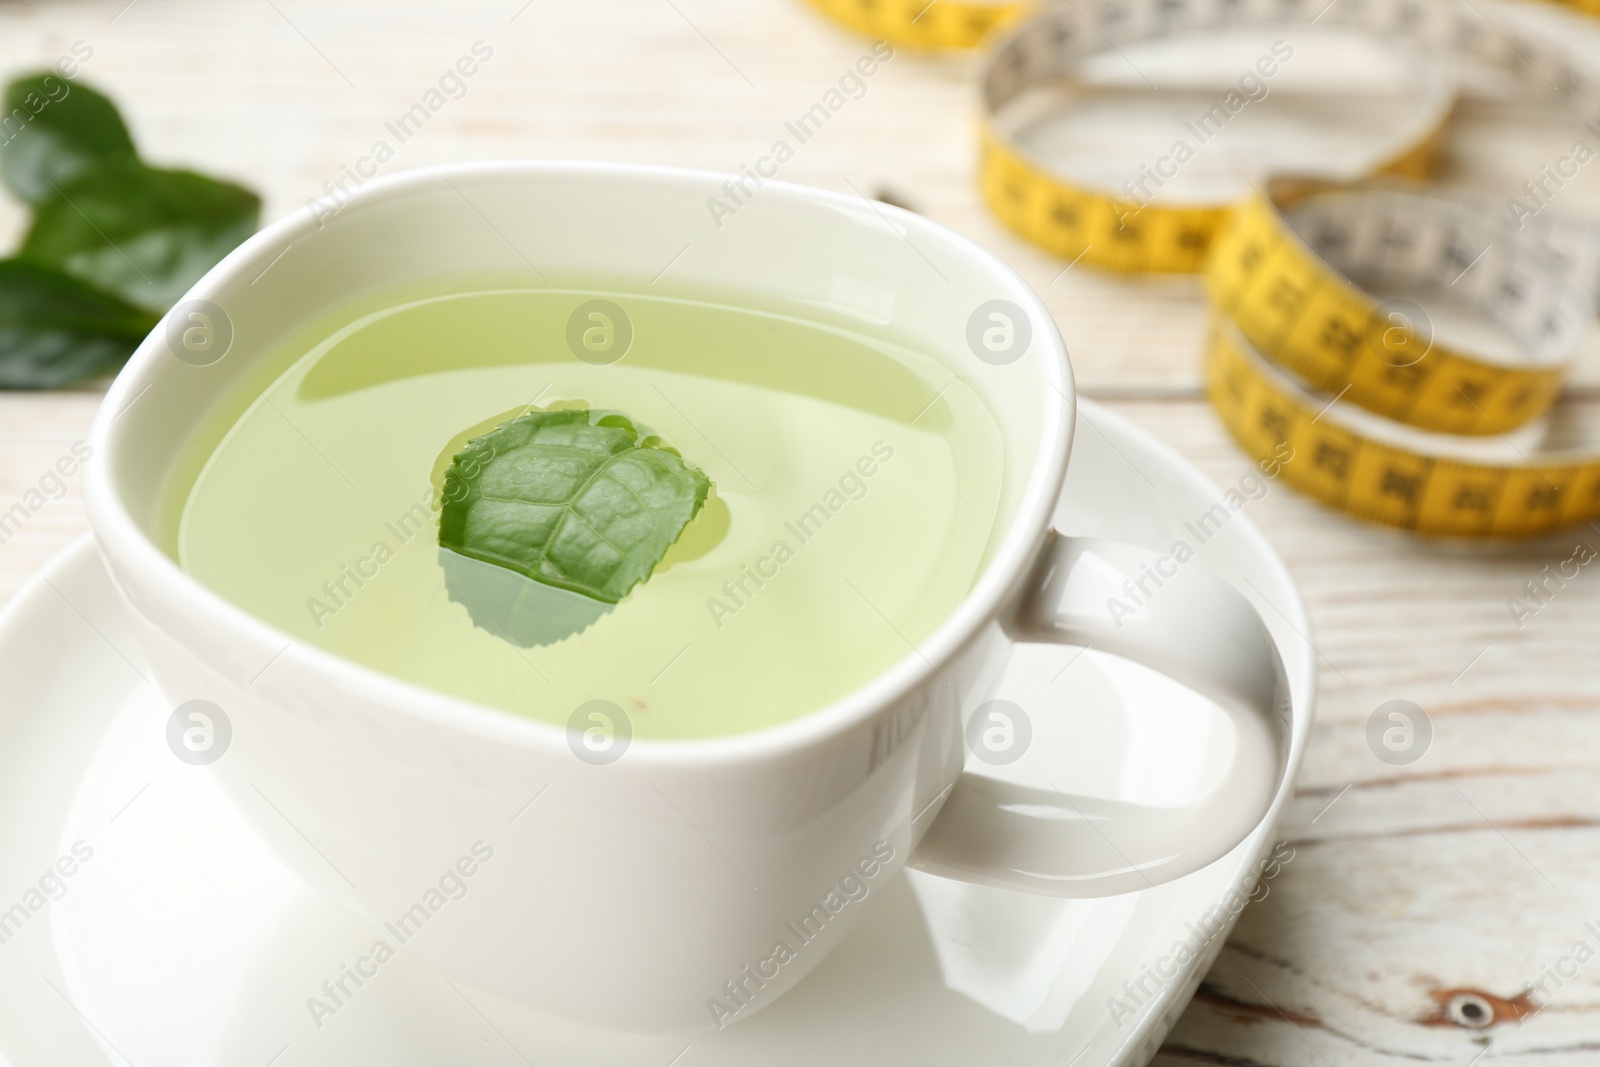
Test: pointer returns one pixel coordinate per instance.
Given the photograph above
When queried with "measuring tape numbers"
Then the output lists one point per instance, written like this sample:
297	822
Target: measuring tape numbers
1386	421
1123	227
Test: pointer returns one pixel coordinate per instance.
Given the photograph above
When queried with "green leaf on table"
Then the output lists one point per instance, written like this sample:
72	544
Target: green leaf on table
113	241
55	330
578	499
55	131
146	235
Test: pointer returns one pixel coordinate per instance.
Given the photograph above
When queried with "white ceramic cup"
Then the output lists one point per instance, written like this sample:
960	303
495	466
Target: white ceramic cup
688	883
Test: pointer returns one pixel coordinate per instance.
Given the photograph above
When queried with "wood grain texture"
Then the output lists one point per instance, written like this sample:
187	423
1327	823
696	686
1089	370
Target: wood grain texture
1472	869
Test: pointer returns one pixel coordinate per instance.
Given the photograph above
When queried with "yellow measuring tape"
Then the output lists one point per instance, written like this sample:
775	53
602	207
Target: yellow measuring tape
1287	317
1283	275
1443	428
1379	472
963	23
1389	413
1131	228
924	23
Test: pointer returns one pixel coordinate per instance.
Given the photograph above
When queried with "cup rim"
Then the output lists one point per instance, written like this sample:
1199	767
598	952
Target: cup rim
121	540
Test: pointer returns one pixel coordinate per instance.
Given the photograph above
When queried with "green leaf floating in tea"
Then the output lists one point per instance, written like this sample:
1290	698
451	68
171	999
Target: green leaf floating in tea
576	499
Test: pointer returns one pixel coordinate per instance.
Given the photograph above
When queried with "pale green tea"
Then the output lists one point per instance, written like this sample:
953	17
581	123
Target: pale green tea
856	486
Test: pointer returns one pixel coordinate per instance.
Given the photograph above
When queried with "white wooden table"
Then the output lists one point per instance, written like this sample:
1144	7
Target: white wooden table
1469	870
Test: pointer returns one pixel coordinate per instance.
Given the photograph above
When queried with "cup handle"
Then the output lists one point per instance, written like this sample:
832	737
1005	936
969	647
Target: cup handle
1196	629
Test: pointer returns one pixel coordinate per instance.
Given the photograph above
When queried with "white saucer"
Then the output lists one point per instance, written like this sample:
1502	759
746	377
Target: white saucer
181	941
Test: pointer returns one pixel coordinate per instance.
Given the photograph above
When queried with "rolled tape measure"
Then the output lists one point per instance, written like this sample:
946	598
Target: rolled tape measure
1367	404
1290	274
924	23
1290	318
1378	471
962	23
1132	228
